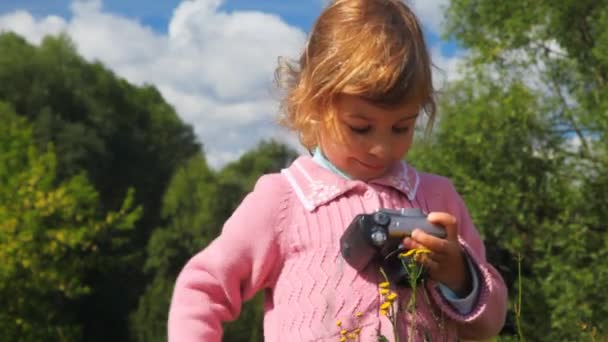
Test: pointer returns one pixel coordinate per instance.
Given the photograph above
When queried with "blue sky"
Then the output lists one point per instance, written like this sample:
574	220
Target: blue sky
216	62
157	14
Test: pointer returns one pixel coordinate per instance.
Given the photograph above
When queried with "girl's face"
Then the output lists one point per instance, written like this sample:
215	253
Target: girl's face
374	137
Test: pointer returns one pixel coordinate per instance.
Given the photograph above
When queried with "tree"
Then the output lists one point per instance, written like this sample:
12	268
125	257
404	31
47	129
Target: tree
523	136
119	135
495	146
561	49
197	203
50	233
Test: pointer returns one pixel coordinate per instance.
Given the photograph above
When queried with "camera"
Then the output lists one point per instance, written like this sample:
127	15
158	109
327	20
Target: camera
377	238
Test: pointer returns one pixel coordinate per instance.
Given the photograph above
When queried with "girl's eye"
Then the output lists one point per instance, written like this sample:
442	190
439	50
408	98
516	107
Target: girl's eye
400	129
360	130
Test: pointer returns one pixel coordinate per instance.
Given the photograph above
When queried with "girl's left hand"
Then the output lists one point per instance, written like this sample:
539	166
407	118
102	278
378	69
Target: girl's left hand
446	262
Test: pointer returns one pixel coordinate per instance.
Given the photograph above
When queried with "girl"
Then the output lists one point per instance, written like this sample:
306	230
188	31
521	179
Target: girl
353	99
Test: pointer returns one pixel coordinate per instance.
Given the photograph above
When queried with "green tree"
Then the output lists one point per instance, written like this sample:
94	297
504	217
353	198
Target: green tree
523	135
267	157
189	206
120	135
50	233
495	146
197	203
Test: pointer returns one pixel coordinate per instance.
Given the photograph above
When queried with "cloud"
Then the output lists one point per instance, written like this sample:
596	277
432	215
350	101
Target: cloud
34	30
215	67
446	68
430	12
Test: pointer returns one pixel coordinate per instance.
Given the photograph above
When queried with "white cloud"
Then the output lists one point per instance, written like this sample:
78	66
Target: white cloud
446	68
215	67
34	30
430	12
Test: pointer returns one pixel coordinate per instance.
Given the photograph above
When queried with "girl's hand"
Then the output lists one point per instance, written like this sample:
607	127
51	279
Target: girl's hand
446	263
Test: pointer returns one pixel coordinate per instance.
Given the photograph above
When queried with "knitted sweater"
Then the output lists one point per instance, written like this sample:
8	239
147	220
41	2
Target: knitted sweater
284	239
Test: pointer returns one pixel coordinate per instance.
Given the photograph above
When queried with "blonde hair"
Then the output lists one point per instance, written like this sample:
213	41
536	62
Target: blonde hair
373	49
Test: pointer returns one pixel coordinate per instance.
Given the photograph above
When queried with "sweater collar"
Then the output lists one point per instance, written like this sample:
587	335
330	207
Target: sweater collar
316	185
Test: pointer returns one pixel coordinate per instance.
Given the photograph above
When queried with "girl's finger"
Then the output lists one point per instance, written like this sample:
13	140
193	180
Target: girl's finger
431	242
428	262
446	220
408	243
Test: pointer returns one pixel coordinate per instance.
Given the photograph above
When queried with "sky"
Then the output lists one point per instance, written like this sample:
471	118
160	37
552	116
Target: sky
212	60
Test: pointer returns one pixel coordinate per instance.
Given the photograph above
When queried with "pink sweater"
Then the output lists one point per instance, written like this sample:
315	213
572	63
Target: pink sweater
283	239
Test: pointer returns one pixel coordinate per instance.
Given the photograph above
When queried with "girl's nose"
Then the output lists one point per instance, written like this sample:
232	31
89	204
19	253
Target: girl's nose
380	149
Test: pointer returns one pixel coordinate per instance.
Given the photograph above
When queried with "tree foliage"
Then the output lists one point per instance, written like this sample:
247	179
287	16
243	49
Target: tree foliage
523	136
50	233
119	135
495	146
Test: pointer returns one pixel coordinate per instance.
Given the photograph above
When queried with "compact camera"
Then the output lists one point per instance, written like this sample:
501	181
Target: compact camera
377	238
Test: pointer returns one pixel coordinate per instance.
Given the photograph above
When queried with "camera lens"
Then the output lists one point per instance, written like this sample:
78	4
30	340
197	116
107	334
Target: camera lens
381	218
378	236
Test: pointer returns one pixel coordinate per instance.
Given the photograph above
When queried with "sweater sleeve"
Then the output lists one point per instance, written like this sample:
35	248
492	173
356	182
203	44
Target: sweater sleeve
464	305
488	314
243	259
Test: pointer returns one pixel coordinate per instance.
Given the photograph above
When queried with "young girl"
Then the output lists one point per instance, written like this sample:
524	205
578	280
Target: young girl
353	98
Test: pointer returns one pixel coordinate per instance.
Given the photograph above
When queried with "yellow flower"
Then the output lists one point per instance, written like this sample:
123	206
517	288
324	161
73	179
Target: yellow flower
406	254
415	252
385	305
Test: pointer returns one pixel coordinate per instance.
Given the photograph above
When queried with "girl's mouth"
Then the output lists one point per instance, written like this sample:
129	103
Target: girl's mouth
375	167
